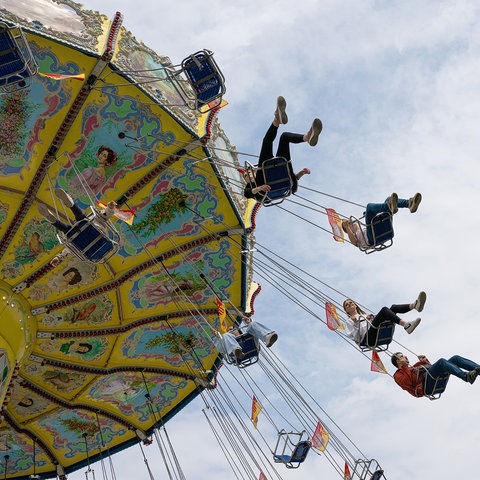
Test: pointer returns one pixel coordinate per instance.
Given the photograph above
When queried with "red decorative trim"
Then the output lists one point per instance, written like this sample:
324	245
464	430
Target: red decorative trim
131	326
253	217
208	127
252	300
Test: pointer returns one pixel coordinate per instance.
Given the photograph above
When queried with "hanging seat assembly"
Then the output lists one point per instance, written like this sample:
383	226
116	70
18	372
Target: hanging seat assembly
17	65
200	72
292	448
384	336
276	172
378	234
433	387
250	348
367	470
92	239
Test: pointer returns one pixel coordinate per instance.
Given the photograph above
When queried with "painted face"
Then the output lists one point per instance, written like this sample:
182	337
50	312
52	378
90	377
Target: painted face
69	276
102	157
83	349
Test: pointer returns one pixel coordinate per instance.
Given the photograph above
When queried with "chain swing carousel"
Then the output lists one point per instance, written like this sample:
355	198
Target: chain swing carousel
107	318
92	338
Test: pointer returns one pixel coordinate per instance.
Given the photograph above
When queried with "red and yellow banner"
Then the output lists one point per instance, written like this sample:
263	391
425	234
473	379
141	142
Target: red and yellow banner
125	215
336	224
377	364
346	473
333	322
222	314
256	409
320	438
60	76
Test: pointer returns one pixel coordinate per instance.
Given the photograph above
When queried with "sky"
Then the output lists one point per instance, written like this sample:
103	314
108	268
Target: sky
396	86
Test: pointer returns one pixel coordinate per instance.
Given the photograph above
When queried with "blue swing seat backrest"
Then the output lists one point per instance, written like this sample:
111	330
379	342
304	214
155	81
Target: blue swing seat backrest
384	336
298	455
250	349
380	230
204	76
377	475
276	172
14	65
89	240
439	386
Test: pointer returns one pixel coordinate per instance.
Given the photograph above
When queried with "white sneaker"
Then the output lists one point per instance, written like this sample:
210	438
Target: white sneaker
411	326
66	199
420	301
270	339
314	132
46	213
280	113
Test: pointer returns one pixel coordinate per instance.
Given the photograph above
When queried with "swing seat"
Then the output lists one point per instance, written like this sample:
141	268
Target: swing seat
91	239
439	385
383	339
277	174
250	348
379	233
293	453
17	64
367	470
203	76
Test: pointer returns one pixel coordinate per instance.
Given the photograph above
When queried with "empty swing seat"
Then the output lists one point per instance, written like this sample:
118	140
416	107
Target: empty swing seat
250	348
292	454
17	65
94	242
367	470
383	339
202	74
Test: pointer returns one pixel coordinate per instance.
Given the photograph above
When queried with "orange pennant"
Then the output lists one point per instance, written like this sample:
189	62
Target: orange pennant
320	438
333	322
125	215
336	224
256	409
222	313
347	475
60	76
377	364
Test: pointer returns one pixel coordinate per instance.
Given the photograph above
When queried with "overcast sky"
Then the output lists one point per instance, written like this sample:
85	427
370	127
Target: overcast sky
396	86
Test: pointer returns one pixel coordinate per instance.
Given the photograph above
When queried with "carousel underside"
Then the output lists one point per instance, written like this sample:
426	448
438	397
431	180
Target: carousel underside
96	352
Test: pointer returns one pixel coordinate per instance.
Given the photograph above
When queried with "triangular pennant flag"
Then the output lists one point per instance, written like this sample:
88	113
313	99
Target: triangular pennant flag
256	409
377	365
125	215
222	313
347	475
333	322
60	76
320	438
336	224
